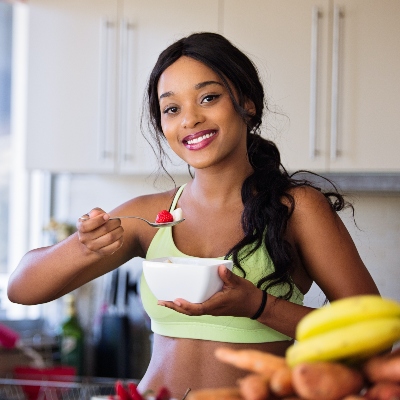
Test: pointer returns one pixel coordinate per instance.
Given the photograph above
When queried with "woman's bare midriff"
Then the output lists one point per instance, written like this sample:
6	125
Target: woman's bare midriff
180	364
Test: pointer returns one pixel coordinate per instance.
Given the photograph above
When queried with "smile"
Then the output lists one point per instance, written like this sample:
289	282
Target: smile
201	138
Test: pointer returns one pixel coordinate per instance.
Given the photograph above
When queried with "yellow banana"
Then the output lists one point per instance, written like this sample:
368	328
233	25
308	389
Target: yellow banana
346	311
351	341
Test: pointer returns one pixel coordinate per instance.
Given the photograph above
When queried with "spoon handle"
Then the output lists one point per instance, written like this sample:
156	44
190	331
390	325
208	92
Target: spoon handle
129	216
153	224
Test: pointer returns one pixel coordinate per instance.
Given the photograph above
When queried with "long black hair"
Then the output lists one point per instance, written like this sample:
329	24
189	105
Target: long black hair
265	216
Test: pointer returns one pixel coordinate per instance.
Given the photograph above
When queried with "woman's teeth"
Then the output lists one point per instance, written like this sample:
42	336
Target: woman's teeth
201	138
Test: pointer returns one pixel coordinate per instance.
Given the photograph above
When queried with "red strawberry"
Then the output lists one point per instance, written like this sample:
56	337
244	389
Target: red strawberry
135	395
163	394
121	391
164	216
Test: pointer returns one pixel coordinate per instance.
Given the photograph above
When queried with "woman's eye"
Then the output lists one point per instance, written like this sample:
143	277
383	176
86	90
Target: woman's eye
170	110
209	98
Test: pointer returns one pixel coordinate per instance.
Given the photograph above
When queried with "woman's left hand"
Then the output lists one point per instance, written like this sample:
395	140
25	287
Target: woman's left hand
238	297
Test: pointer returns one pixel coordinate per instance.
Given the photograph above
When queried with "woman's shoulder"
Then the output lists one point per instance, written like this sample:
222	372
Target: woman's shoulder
157	198
313	212
306	197
311	208
148	205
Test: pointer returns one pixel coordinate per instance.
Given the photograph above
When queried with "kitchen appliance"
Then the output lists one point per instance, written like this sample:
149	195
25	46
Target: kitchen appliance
113	347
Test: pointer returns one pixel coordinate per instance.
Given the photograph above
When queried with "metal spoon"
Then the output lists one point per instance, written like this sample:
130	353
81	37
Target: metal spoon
153	224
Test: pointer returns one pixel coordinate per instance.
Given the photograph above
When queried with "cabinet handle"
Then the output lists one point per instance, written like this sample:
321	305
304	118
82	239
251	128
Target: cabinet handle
106	97
125	86
335	82
314	81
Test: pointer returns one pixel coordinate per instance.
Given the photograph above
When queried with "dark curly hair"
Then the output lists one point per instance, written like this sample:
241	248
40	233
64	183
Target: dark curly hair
265	216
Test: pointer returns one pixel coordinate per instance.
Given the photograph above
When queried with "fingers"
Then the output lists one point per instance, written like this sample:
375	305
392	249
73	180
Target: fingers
226	275
229	279
184	307
99	234
103	241
95	212
238	297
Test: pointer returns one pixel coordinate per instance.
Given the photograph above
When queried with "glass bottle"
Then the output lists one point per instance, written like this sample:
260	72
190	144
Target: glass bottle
72	338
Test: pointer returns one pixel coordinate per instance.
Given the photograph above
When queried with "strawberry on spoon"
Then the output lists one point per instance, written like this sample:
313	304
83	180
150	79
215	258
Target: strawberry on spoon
163	217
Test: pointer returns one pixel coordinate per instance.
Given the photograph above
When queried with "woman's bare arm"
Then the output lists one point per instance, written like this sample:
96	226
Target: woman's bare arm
326	249
328	255
47	273
99	246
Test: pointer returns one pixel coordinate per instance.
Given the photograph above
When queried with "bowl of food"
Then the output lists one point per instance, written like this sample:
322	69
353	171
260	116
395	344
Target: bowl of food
193	279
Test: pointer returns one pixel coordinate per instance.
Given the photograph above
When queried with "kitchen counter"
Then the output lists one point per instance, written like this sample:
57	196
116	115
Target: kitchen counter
360	182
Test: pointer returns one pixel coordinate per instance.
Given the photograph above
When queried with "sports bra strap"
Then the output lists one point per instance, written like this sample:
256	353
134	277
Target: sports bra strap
176	197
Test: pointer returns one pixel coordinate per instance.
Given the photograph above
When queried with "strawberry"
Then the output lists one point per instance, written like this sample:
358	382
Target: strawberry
135	395
163	394
164	216
121	391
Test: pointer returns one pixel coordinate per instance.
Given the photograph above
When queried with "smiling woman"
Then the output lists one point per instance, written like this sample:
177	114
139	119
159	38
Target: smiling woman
206	102
190	101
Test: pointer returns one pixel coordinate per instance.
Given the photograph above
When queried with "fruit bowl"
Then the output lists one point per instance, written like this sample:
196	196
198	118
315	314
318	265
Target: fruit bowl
193	279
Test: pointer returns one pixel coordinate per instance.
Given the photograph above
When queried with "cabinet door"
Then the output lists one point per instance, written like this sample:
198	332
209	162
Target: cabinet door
368	87
71	85
151	26
287	39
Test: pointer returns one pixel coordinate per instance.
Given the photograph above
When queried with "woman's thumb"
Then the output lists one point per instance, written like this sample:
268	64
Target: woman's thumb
226	274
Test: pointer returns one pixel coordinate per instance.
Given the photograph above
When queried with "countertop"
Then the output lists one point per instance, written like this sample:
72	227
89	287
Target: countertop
359	182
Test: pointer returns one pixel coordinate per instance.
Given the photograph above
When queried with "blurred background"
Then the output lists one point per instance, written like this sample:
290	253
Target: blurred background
72	78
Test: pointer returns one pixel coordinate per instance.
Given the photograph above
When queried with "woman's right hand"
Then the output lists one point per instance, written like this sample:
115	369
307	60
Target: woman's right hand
99	234
47	273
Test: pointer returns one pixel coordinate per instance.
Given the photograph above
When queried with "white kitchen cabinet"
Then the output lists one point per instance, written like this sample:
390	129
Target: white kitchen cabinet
332	74
368	100
88	66
71	85
150	27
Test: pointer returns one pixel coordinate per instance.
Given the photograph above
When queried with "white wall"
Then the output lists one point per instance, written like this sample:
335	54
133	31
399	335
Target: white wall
377	237
108	192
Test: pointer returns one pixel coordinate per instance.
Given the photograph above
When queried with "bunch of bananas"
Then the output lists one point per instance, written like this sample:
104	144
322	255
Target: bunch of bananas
350	329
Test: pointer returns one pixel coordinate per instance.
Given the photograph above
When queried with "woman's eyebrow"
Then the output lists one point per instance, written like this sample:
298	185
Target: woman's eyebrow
206	83
197	86
166	94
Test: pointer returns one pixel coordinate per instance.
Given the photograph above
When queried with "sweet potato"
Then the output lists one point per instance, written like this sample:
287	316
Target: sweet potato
281	382
353	397
254	387
383	391
326	380
252	360
383	368
291	398
215	394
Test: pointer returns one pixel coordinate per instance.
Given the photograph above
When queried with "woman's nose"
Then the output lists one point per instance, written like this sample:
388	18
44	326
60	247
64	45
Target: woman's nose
191	117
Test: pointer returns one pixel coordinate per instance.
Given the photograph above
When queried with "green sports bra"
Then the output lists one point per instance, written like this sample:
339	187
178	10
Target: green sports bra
167	322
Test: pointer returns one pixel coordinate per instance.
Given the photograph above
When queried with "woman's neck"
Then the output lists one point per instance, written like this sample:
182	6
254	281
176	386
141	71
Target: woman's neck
219	186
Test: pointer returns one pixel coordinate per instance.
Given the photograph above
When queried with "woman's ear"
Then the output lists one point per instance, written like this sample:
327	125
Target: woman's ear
250	107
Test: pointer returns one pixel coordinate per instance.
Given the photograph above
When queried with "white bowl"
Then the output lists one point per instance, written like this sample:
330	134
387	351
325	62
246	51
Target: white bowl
193	279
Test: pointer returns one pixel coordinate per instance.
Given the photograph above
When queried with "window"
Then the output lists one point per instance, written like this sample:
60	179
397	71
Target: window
14	179
5	135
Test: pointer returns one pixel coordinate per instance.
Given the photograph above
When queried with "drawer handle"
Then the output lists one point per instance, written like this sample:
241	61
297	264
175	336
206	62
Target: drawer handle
314	81
335	82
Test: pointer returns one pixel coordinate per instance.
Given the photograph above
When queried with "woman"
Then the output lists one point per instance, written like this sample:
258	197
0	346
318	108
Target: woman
205	99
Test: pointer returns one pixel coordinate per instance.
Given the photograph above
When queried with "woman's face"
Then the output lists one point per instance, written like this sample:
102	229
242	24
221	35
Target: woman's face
197	115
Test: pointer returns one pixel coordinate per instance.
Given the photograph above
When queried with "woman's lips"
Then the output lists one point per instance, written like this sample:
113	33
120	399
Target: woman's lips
199	140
